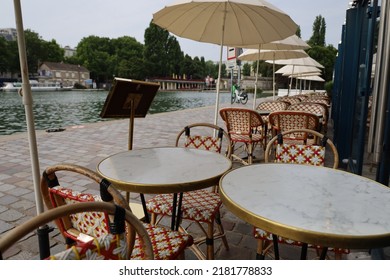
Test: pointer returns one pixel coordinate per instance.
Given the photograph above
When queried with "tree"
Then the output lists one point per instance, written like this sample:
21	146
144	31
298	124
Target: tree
246	69
211	69
95	54
188	66
52	51
13	65
162	53
265	69
39	50
298	32
319	31
4	54
34	49
326	56
127	58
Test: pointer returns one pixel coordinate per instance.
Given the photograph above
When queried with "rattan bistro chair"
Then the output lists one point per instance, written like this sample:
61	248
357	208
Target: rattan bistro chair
245	127
313	154
200	206
112	246
76	229
272	106
282	121
319	109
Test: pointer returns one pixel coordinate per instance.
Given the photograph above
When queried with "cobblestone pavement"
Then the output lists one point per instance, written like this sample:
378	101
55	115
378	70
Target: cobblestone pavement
87	145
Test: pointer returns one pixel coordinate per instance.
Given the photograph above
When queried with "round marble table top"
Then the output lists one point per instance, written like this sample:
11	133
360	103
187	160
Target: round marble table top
164	170
314	205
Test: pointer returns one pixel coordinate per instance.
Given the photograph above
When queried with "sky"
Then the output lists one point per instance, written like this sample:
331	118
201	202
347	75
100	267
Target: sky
69	21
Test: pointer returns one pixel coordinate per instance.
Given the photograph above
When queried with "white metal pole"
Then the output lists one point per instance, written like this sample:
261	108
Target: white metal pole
28	101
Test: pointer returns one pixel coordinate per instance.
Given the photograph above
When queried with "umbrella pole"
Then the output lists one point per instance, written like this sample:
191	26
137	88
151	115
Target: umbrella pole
219	71
43	232
257	74
273	79
291	80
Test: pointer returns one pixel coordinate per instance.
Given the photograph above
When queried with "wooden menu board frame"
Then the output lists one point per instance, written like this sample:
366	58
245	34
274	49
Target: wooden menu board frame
129	99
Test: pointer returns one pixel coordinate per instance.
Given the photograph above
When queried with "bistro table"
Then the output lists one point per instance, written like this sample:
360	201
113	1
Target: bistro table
164	170
314	205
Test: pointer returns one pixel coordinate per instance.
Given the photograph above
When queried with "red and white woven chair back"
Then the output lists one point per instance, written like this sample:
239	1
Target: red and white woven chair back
272	106
208	143
300	154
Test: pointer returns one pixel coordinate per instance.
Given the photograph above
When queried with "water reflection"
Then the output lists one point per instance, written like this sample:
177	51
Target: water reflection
61	109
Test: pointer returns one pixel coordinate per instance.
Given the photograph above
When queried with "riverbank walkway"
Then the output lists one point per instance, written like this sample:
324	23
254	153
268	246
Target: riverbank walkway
87	145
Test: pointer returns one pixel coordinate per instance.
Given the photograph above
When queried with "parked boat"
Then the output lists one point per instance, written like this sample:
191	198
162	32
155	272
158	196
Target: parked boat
35	86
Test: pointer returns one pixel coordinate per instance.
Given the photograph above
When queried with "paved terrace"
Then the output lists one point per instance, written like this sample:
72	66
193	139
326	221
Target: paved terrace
87	145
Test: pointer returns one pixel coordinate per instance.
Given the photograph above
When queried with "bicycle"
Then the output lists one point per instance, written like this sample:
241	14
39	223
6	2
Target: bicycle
239	96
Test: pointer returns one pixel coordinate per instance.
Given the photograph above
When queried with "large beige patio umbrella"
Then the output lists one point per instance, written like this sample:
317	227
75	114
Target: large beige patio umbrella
256	55
226	23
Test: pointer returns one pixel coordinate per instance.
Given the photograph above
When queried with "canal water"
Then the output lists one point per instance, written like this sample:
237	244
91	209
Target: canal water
61	109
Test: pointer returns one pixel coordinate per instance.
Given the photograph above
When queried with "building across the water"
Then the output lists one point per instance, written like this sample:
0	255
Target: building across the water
67	74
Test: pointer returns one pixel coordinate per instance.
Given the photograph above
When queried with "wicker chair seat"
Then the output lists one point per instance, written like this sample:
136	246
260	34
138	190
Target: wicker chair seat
107	247
201	205
166	244
244	138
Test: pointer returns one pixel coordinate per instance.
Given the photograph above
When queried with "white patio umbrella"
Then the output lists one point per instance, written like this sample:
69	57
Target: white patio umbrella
43	232
306	61
226	23
257	54
290	43
295	70
310	78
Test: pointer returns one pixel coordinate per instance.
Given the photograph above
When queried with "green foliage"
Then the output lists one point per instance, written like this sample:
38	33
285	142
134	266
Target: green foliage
326	56
265	69
79	86
127	60
105	58
319	31
52	51
4	53
298	32
246	69
329	87
162	53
